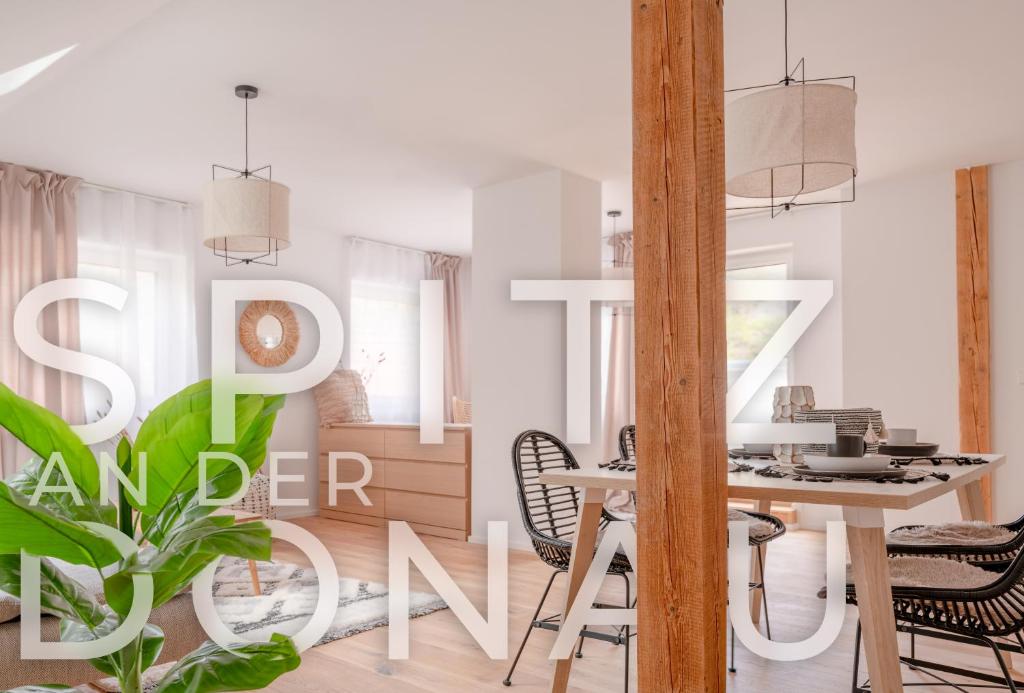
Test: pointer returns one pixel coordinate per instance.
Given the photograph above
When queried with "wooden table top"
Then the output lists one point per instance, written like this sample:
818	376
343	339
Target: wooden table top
868	494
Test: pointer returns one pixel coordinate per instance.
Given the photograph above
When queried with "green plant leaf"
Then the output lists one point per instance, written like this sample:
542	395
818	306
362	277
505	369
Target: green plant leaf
139	654
28	478
185	507
44	433
59	595
43	532
179	432
190	549
211	668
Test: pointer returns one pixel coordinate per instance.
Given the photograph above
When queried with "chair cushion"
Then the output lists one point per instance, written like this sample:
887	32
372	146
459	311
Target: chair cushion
951	534
759	529
927	571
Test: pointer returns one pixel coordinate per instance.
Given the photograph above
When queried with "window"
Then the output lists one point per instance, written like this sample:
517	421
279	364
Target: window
749	326
385	348
385	321
145	246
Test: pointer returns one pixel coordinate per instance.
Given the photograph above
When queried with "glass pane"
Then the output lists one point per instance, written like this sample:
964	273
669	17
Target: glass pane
749	326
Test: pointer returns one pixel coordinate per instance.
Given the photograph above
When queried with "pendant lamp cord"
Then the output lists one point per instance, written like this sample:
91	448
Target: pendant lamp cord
246	173
785	38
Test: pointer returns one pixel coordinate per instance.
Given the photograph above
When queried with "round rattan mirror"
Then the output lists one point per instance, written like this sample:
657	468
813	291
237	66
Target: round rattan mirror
269	332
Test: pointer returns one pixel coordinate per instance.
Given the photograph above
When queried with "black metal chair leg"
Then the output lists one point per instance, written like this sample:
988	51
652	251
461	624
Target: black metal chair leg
529	628
579	648
764	595
856	659
732	650
1011	686
627	660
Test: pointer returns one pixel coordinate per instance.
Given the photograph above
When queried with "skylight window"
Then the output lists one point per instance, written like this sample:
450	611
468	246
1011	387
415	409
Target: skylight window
20	76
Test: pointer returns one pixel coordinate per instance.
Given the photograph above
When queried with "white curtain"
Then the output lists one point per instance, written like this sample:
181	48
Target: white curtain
147	247
385	325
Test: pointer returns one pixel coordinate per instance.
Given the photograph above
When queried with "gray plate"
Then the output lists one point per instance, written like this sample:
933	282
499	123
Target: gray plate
915	450
804	470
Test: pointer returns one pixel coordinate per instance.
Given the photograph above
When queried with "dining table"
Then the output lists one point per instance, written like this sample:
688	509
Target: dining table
863	504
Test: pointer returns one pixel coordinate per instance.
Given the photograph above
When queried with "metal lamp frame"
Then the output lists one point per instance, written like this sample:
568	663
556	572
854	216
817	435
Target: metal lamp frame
777	208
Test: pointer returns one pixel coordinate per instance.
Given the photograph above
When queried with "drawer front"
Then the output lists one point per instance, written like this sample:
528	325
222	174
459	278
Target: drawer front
419	528
442	511
404	475
404	444
367	440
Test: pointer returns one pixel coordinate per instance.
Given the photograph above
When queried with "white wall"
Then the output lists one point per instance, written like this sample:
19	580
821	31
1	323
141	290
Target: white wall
899	313
1006	254
545	226
317	258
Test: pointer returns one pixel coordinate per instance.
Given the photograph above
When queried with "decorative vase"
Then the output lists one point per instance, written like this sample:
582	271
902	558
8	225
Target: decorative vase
787	401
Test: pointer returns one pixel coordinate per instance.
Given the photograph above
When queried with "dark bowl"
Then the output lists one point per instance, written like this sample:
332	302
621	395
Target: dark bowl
915	450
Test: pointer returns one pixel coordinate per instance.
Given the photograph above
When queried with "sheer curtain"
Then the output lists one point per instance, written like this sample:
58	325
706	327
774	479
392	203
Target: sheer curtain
37	245
147	247
385	326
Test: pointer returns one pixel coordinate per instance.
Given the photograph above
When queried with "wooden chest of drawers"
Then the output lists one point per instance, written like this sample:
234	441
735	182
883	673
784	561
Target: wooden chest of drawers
427	486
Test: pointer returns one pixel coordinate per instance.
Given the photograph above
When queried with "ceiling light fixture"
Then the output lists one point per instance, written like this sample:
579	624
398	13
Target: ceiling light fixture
245	216
791	138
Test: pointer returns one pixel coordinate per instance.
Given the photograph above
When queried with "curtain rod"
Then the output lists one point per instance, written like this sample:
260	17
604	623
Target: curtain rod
156	198
99	186
389	245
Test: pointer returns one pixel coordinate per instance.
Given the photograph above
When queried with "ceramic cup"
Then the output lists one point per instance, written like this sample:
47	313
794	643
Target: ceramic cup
902	436
847	445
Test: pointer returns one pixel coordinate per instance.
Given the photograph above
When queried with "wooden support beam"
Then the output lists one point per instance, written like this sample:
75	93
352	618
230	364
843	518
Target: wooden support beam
679	255
972	304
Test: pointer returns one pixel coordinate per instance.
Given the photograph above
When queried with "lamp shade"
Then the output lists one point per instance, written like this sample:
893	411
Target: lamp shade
245	215
772	134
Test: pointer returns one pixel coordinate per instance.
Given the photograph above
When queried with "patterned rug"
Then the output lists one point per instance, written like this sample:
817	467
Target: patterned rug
289	597
286	605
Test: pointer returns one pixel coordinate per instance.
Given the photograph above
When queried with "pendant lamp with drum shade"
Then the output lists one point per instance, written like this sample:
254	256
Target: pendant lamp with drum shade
245	215
791	138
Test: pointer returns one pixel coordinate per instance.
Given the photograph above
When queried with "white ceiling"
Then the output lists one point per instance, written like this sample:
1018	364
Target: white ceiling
382	116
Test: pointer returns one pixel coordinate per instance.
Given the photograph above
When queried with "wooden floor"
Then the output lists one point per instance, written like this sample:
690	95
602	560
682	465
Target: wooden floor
443	656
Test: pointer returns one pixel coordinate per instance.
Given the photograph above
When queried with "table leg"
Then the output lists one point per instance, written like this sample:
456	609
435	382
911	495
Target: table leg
582	554
865	533
972	501
763	506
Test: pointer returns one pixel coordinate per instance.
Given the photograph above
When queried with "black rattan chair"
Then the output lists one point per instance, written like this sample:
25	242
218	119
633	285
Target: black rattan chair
549	516
778	529
987	616
994	557
627	443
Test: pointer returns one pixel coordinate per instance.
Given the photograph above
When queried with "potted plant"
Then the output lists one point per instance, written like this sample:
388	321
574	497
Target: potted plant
178	536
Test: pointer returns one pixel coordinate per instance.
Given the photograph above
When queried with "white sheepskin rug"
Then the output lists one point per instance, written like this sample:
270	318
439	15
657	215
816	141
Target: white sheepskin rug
953	534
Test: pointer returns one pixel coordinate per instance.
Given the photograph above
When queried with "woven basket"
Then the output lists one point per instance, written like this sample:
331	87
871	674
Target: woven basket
341	398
